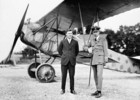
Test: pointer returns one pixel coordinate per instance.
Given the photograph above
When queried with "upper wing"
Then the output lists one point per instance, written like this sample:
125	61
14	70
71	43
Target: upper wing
67	15
68	11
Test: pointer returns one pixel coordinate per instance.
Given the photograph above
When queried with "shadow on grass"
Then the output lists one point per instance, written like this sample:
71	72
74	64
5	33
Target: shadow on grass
123	78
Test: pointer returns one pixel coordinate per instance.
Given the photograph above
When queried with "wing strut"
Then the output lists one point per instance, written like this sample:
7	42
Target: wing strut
72	22
91	29
54	20
44	25
57	26
82	23
98	17
95	18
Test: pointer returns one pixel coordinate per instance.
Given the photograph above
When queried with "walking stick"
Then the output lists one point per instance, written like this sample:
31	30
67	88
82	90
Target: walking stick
91	58
84	36
89	74
88	42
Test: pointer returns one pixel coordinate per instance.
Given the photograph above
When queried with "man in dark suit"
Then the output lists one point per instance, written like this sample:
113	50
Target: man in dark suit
68	49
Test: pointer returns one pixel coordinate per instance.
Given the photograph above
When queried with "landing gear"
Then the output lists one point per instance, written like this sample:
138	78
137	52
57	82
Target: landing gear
45	73
32	68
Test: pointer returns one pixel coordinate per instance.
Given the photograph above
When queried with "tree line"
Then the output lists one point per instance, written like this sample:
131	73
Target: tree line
126	40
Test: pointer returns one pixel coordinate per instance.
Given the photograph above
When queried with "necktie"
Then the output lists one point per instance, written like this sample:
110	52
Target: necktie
95	39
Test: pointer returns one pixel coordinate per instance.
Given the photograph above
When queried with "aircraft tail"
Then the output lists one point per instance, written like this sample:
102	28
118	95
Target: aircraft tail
124	63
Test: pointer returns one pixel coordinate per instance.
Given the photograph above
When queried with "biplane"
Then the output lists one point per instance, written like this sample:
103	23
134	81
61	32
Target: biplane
46	33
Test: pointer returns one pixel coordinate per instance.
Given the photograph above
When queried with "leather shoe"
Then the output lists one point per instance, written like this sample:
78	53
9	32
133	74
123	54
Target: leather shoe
98	95
62	92
95	93
73	92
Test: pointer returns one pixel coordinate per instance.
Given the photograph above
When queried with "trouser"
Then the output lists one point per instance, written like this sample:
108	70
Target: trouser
64	69
98	76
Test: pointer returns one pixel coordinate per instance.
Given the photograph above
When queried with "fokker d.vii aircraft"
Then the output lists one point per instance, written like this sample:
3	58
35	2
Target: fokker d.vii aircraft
46	34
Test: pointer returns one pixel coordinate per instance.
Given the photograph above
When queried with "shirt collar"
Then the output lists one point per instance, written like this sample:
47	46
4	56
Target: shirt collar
69	40
97	37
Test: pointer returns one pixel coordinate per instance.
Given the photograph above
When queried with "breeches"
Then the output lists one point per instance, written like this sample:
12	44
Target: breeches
98	76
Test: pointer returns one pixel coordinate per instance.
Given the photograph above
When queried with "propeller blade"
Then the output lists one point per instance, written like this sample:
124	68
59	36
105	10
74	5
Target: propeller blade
18	33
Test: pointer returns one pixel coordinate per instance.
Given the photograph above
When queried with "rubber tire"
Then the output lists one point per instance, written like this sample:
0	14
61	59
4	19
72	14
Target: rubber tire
32	73
47	72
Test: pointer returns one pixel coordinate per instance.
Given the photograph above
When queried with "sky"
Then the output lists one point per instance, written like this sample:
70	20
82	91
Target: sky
11	12
128	18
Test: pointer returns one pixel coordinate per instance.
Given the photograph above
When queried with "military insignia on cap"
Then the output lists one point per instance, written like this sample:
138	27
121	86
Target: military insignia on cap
96	28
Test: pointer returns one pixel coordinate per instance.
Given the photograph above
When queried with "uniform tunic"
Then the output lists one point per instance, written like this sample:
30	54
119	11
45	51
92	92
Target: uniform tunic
99	50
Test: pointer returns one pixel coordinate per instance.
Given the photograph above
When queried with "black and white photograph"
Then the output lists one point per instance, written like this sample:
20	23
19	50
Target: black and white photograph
70	49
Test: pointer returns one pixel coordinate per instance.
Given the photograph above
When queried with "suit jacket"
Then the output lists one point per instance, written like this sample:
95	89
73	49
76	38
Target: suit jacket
99	50
68	51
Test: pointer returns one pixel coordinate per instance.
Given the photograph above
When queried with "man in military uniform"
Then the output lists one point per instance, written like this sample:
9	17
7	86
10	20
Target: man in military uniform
98	47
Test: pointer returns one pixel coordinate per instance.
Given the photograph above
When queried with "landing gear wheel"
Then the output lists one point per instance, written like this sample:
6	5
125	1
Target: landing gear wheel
32	68
45	73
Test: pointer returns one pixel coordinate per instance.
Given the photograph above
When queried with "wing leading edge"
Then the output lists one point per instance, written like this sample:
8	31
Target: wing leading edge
68	11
